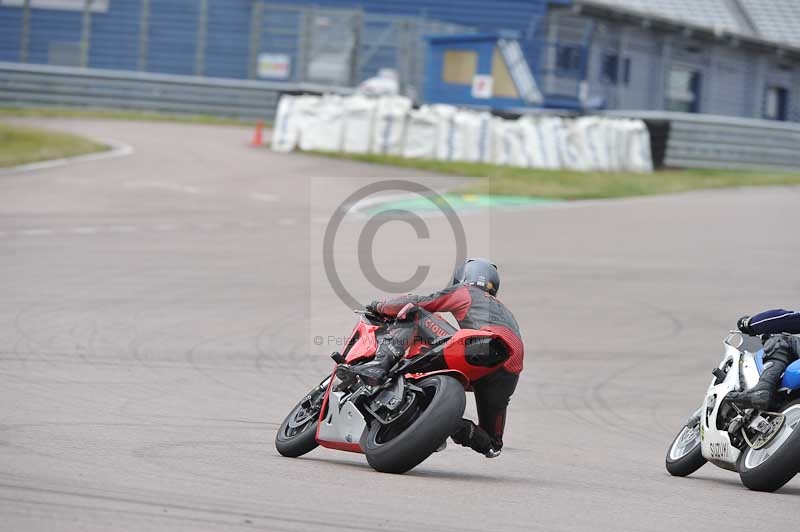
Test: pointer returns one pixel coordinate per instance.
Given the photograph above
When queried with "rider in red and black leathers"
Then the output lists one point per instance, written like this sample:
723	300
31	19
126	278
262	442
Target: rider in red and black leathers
473	303
473	309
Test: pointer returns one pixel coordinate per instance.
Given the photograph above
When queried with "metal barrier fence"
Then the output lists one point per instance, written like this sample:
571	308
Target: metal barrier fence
688	140
41	85
253	40
710	141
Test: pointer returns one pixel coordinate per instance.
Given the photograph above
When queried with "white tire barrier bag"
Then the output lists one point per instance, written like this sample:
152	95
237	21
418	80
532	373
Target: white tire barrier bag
388	125
444	140
422	134
292	114
549	128
358	123
471	137
323	131
639	156
508	143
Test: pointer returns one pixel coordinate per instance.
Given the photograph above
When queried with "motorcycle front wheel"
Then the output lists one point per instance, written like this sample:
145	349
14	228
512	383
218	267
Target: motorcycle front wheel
297	434
685	455
772	466
432	417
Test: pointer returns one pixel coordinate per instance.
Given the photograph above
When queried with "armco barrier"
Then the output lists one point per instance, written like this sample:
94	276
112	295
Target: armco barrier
709	141
23	85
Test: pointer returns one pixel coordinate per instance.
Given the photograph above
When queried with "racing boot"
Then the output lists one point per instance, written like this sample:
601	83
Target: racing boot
373	372
762	394
470	435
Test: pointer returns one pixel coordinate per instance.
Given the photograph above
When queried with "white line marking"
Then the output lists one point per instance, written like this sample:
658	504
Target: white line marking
123	229
162	185
380	199
165	227
36	232
73	181
118	149
250	225
269	198
208	226
286	221
84	230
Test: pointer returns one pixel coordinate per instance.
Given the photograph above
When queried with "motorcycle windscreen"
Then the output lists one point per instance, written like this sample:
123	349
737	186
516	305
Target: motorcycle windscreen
363	342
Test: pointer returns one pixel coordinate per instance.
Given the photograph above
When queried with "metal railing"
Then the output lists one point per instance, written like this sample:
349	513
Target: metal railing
711	141
42	85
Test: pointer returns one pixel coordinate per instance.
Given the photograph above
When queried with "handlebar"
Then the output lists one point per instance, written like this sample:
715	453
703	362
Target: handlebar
369	314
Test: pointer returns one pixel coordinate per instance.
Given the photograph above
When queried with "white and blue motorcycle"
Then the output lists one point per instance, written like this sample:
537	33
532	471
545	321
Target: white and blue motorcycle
763	447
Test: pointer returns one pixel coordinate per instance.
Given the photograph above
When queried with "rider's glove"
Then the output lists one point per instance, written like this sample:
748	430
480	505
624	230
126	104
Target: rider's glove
744	326
375	307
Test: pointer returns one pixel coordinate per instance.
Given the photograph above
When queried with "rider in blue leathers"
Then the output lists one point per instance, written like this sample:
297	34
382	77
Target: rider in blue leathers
780	350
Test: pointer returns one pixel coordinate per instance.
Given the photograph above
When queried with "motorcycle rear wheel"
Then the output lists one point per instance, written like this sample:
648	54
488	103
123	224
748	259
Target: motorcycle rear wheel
769	468
397	449
297	435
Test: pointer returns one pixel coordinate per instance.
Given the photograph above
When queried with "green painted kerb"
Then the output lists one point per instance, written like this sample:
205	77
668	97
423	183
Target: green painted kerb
460	202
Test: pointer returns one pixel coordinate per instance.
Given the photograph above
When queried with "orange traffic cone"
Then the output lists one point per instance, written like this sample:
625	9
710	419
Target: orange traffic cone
258	134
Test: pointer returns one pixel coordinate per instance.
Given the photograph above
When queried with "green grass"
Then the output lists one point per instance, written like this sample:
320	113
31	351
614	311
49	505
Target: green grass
510	181
22	145
117	114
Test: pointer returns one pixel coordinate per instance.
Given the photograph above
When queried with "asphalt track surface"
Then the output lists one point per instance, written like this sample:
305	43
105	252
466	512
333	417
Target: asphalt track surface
158	316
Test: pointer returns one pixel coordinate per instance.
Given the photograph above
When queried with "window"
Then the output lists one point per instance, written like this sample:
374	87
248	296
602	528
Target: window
568	59
683	90
777	103
459	67
626	71
610	68
504	86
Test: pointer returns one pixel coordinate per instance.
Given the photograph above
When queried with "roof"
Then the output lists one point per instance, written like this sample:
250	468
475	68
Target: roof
774	21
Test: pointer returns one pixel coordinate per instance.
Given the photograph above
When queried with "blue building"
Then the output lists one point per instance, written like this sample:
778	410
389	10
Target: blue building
731	57
172	28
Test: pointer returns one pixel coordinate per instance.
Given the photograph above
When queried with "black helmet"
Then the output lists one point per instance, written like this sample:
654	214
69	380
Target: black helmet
478	272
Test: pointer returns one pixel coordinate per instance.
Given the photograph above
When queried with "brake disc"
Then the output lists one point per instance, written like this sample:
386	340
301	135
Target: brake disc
762	440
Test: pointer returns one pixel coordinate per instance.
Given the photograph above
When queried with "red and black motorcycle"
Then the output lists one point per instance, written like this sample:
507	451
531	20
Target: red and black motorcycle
401	422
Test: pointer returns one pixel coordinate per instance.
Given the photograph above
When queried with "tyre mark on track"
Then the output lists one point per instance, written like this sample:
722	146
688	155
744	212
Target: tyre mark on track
327	519
607	411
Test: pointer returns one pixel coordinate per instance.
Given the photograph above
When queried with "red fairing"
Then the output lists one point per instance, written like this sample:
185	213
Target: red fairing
365	346
341	446
454	354
415	349
324	410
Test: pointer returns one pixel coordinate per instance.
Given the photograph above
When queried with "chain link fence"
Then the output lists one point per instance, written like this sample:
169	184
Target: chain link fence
209	38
